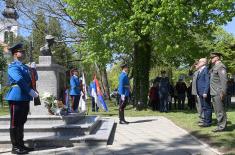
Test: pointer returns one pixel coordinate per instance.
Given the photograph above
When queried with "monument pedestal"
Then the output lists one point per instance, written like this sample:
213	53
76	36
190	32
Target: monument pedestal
51	79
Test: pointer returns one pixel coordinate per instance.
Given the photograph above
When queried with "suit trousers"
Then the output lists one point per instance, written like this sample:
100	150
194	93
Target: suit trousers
219	112
199	108
163	101
206	109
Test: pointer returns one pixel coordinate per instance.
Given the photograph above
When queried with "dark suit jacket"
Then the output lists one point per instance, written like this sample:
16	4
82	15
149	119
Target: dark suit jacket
203	82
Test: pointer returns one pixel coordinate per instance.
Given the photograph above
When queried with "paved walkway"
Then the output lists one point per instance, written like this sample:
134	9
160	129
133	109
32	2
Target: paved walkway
143	136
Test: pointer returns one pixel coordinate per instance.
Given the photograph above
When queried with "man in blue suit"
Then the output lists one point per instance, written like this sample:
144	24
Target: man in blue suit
124	92
75	89
203	85
18	97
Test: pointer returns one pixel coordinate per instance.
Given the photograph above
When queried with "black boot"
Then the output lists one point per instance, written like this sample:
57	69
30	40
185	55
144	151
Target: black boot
121	118
21	139
16	149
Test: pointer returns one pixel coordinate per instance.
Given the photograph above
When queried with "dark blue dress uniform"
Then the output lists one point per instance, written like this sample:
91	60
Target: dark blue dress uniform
124	92
18	98
75	91
202	87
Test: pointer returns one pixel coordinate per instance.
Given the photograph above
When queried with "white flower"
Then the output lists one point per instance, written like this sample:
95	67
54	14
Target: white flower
45	95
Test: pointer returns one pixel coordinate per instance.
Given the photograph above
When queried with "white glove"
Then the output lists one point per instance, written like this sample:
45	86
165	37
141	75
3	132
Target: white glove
33	65
122	97
33	93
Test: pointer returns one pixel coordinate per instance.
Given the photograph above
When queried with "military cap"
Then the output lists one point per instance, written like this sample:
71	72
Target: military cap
73	70
16	47
123	66
215	54
49	37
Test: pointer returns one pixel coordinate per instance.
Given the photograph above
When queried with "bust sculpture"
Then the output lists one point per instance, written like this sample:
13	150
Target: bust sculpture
46	49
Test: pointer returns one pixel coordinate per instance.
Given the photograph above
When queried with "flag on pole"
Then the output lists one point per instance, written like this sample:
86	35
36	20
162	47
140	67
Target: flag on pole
83	97
99	96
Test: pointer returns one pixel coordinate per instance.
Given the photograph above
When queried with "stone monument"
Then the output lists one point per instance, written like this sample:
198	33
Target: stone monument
51	76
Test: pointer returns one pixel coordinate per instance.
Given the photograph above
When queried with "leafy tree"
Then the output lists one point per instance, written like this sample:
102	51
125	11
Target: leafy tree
221	41
142	27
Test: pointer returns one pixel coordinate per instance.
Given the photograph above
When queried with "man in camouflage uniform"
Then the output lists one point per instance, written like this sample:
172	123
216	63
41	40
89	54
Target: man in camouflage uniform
218	87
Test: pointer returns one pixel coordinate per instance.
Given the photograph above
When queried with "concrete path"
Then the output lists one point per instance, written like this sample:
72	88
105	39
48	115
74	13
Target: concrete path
143	136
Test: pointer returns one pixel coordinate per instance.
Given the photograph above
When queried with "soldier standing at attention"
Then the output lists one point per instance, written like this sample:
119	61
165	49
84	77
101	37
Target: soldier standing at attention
18	98
218	87
124	92
75	89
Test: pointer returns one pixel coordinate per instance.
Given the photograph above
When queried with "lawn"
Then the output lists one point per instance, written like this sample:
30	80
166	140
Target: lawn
4	111
224	141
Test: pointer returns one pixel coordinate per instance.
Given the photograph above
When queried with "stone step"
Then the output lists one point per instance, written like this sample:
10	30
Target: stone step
100	135
47	119
83	127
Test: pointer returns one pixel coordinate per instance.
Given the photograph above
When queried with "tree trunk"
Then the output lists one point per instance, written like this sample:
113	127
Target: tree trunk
105	82
142	54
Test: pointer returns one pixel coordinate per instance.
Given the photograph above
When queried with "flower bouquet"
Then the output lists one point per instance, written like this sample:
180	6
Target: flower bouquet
54	106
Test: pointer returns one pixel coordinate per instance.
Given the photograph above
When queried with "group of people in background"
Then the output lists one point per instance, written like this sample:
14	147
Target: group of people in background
162	93
209	87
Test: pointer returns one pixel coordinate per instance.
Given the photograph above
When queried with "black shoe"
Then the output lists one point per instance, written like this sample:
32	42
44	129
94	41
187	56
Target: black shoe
123	122
126	122
217	130
18	150
29	149
204	125
201	121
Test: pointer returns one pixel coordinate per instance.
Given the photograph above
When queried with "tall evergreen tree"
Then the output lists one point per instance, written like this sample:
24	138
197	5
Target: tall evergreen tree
60	51
38	34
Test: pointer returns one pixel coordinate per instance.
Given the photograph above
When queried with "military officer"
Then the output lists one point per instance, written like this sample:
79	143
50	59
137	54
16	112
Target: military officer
218	87
75	89
18	97
124	92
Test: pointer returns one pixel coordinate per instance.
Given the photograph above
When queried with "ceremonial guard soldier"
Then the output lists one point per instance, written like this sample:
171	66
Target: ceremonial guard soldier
75	89
124	92
18	97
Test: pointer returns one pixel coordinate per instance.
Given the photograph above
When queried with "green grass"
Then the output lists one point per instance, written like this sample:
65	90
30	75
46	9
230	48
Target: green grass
4	111
224	141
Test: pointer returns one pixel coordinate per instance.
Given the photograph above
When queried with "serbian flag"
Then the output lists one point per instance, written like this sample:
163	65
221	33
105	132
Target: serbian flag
100	101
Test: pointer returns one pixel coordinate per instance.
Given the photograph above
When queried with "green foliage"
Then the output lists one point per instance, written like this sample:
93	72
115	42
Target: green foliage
60	51
221	42
145	29
113	75
38	34
3	62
